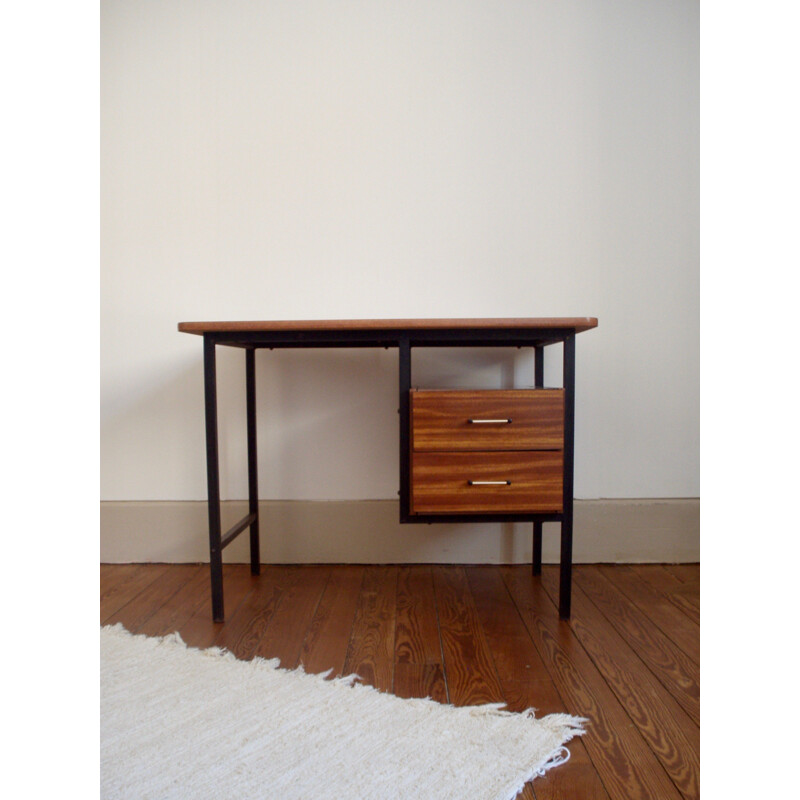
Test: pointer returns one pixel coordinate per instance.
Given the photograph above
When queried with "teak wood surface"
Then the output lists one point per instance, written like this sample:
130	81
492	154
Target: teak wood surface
469	635
440	419
578	324
440	482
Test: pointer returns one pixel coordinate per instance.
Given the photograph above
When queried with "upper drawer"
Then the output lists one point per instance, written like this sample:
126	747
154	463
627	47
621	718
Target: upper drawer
493	419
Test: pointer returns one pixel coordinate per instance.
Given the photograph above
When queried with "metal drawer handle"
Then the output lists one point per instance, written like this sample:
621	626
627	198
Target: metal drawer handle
489	421
489	483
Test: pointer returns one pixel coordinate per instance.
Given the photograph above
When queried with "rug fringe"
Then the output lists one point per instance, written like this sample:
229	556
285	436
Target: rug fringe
574	726
558	757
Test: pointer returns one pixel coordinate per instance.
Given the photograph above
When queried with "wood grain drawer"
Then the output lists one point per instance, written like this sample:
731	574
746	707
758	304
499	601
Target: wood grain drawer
441	482
502	419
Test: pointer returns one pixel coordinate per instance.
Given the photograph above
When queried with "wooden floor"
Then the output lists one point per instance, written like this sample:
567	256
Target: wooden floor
628	660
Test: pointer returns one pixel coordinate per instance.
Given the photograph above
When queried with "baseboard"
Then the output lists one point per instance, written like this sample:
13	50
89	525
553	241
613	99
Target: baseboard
368	532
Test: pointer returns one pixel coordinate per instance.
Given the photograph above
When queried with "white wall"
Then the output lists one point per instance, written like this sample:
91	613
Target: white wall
289	160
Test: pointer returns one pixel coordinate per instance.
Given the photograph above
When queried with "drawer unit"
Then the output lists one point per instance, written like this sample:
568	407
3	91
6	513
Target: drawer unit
487	482
486	452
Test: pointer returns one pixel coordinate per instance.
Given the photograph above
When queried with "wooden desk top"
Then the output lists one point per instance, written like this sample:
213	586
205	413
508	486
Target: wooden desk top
579	324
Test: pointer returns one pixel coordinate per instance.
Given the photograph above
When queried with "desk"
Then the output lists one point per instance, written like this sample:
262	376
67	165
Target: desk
482	456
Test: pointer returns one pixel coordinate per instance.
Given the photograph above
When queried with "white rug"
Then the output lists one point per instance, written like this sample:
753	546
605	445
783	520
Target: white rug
177	722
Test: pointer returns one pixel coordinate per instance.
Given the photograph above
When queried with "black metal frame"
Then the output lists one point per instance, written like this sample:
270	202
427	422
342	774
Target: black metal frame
538	382
404	341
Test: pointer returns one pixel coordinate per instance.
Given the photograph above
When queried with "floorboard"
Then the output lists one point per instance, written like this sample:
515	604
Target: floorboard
370	653
140	607
328	636
676	671
686	573
286	630
243	633
125	585
179	608
112	576
526	683
683	595
469	669
669	619
628	660
201	630
626	765
669	731
418	667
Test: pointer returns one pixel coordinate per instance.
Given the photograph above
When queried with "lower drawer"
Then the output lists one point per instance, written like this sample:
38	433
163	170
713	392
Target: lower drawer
487	482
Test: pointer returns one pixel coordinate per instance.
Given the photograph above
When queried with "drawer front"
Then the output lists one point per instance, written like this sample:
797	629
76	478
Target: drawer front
487	482
513	419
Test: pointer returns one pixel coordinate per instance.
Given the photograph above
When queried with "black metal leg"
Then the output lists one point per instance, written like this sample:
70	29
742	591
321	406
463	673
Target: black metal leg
404	351
537	548
212	462
538	366
565	582
538	382
252	459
